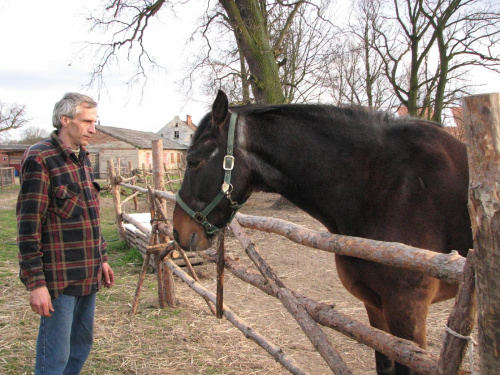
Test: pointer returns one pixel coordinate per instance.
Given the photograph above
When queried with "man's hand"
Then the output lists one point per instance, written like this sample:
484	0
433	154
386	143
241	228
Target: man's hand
40	301
108	275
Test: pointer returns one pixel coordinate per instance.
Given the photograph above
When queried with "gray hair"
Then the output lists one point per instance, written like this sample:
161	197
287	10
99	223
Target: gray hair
67	106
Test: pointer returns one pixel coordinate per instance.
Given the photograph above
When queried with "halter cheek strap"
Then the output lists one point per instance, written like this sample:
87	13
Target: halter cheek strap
226	188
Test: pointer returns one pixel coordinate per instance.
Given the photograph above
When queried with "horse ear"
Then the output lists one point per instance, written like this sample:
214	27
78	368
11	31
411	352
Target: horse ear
220	110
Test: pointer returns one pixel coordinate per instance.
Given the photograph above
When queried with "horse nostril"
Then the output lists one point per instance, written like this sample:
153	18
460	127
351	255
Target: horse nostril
176	236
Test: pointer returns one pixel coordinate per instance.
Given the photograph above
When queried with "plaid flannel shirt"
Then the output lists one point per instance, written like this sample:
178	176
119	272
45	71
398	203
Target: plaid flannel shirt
59	233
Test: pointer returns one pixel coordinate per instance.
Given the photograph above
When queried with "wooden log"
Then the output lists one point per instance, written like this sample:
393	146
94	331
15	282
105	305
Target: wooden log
128	179
158	174
220	274
136	202
159	184
133	196
317	337
403	351
115	190
142	276
136	223
193	274
482	129
460	323
447	267
250	333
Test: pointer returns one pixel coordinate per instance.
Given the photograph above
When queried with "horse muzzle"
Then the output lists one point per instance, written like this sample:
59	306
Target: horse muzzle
190	235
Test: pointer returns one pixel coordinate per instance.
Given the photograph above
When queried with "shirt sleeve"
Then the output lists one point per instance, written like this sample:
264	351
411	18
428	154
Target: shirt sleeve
31	210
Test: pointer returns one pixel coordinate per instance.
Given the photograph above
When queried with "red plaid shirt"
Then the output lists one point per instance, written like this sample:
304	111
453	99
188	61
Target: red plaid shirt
59	232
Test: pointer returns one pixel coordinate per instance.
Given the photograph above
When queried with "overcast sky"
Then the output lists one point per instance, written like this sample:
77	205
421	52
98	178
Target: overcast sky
39	62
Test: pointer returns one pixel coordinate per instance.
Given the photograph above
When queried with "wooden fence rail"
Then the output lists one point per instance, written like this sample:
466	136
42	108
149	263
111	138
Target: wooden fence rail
448	267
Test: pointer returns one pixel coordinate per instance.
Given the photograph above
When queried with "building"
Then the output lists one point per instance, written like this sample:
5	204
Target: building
11	155
178	131
110	143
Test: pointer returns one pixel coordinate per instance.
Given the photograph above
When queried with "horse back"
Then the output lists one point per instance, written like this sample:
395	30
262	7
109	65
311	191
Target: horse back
419	190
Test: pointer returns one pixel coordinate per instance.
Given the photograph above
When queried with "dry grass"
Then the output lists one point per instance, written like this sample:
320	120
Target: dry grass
187	339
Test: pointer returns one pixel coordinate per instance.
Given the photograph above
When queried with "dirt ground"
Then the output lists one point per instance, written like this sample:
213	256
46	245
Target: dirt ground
188	339
311	272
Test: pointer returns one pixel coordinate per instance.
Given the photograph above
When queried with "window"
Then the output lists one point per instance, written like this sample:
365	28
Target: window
176	135
171	157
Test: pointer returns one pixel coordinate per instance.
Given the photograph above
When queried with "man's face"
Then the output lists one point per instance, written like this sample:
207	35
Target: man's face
79	130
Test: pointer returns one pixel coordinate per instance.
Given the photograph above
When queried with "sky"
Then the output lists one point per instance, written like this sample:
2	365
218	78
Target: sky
41	59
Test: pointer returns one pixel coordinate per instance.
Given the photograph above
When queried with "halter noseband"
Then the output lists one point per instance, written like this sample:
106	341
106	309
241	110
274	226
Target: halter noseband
226	188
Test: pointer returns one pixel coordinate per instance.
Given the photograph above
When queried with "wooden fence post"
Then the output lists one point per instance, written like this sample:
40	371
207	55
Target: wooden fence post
482	127
159	184
115	189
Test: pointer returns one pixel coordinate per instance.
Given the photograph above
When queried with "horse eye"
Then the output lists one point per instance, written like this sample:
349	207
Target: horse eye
193	163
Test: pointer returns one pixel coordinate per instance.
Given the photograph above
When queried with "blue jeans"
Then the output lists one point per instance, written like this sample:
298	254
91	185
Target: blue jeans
65	339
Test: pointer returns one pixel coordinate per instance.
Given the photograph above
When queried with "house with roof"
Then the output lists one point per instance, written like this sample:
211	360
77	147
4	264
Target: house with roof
11	155
178	130
134	146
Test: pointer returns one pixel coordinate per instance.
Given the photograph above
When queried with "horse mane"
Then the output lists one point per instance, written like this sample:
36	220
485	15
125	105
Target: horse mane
348	114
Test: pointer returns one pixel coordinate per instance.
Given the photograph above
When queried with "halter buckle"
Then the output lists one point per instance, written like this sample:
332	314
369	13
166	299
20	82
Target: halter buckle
228	163
199	217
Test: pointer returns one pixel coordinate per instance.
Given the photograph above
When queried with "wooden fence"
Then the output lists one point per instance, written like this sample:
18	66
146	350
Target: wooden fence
7	176
448	267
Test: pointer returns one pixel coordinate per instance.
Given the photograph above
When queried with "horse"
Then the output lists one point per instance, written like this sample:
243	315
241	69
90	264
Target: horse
359	172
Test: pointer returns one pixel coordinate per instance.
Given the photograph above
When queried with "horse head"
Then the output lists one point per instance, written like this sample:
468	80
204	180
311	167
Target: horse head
215	184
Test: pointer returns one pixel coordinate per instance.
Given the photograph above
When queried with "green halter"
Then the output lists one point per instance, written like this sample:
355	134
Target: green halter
226	188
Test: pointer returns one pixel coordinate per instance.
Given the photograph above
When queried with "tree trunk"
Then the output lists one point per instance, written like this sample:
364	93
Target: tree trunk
249	25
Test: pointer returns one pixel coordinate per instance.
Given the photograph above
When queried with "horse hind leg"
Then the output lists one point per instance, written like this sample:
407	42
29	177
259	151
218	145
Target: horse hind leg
384	365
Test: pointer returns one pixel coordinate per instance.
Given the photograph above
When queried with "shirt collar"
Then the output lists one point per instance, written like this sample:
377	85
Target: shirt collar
66	151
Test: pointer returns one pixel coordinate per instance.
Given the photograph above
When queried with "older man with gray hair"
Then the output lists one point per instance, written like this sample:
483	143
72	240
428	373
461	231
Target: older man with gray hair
62	253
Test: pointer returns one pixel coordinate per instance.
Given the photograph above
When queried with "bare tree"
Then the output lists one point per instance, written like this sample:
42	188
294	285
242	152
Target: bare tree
261	33
299	47
32	134
127	22
355	71
428	46
467	33
12	116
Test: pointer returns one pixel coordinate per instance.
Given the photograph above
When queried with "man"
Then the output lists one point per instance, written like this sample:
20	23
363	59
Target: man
62	253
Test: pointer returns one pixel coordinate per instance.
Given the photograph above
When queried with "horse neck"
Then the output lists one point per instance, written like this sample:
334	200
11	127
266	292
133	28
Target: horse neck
306	163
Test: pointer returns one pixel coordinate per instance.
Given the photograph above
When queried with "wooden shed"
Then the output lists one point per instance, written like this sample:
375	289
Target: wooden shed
11	155
110	143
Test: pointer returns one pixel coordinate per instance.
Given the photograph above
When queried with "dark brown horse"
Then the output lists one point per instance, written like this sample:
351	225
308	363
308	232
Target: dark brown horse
360	173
